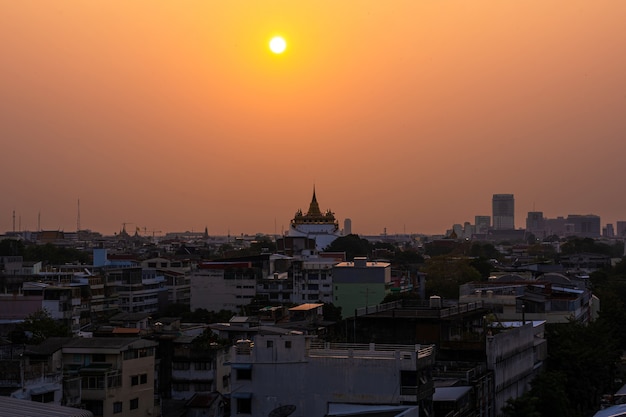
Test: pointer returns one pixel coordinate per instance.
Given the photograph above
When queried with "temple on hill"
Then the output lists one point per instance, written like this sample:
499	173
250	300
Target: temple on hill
322	227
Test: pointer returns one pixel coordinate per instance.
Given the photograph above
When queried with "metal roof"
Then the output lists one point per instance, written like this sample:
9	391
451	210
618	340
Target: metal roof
13	407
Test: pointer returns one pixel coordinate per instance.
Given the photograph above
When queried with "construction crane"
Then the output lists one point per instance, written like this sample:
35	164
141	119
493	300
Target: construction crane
124	227
145	232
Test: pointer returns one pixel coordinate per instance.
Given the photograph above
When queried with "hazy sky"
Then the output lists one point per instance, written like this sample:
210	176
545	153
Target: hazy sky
406	115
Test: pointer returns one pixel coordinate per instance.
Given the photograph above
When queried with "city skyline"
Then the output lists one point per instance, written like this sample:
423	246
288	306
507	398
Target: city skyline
406	117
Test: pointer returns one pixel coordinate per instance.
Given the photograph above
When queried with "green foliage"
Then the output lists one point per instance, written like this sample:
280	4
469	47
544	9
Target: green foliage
175	310
524	406
352	245
397	296
587	245
485	250
208	340
407	257
54	255
11	247
331	312
262	244
586	356
202	315
547	397
37	327
444	275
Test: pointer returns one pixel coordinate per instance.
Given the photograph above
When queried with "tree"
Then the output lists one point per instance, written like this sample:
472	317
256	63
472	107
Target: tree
37	327
11	247
352	245
586	356
444	274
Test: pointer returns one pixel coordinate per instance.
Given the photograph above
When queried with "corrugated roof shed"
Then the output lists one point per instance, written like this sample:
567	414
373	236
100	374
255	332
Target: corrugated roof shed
13	407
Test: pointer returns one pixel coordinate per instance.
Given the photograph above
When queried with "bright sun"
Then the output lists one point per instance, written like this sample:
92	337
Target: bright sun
278	45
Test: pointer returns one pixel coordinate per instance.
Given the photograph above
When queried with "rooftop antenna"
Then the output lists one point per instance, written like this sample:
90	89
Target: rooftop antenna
13	221
39	221
78	216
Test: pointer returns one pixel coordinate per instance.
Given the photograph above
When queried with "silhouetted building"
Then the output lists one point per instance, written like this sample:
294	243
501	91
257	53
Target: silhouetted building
503	207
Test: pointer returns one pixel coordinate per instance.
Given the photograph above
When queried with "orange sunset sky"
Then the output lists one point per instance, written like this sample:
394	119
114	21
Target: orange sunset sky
405	115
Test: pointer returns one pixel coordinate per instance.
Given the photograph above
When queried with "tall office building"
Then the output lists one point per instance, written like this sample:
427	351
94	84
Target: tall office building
535	223
503	207
482	224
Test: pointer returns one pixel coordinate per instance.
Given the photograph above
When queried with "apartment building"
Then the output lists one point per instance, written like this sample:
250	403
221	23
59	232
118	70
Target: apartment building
359	284
116	375
312	378
313	280
219	286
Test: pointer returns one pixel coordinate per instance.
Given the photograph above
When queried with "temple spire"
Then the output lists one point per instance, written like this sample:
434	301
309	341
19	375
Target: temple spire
314	208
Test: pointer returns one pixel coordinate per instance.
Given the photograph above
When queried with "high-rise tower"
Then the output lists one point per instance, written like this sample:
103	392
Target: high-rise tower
503	207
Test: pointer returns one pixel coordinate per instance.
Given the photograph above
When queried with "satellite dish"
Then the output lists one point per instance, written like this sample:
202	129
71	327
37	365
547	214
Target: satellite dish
282	411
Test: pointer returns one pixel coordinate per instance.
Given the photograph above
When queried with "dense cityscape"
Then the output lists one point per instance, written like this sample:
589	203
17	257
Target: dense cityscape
477	321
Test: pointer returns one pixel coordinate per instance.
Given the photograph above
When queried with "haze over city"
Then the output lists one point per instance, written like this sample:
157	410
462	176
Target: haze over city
404	115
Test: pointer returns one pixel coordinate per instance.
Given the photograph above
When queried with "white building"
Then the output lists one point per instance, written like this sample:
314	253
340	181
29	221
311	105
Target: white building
313	280
219	286
313	378
322	227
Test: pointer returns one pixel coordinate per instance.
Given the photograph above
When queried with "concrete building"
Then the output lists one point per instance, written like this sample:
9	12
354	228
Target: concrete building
517	299
347	227
116	375
41	372
313	280
482	224
139	289
219	286
310	377
474	349
176	276
535	224
360	284
584	225
503	211
193	368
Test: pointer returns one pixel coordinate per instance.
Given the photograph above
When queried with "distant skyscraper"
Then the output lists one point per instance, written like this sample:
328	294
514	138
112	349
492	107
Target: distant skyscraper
503	210
535	223
347	227
482	224
585	225
621	228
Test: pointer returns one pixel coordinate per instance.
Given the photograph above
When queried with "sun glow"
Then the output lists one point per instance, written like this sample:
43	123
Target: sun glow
278	45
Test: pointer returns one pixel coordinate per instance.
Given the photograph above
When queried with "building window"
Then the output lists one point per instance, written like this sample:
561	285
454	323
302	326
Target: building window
202	366
244	406
180	386
46	397
203	387
244	374
134	403
98	358
117	407
270	343
134	380
143	378
180	366
288	344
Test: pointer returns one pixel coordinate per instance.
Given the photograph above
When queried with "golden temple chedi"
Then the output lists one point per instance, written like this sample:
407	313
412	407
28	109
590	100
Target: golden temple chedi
322	227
